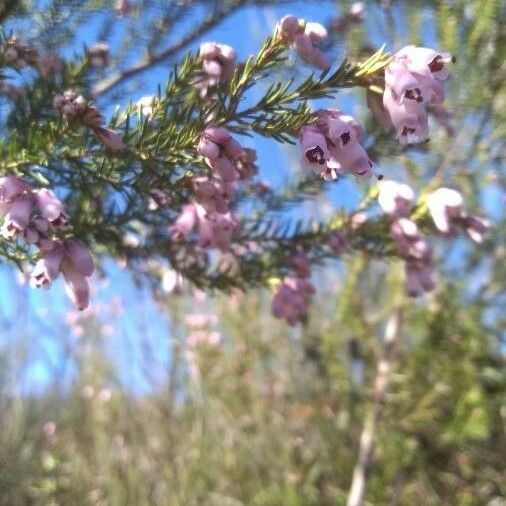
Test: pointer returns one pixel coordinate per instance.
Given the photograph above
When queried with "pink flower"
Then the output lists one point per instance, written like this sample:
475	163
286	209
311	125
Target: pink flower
426	61
218	60
446	208
289	27
417	254
409	241
301	265
11	187
302	37
218	64
443	205
46	269
79	256
215	230
410	119
343	134
313	145
395	198
291	300
75	109
476	227
337	242
331	146
419	278
110	139
18	216
220	149
185	222
408	87
51	208
413	79
224	168
304	45
76	285
214	195
73	259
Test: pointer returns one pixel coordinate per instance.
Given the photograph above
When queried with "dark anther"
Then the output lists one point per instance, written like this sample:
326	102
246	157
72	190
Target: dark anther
345	138
315	155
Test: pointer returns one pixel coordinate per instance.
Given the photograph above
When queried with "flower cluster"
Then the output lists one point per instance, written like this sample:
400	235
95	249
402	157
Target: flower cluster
220	150
396	200
331	146
35	216
445	208
214	230
20	55
229	163
73	260
75	109
218	64
303	36
414	79
293	295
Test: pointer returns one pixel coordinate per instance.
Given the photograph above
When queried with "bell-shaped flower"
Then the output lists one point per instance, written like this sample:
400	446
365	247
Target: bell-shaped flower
444	204
304	45
80	257
220	149
419	278
215	230
184	223
76	285
476	227
218	61
291	300
76	267
409	119
313	145
214	195
46	269
352	158
300	264
395	198
10	187
110	139
425	61
302	37
51	208
18	216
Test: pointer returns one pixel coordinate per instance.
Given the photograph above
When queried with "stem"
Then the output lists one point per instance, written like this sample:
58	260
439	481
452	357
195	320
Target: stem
366	445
